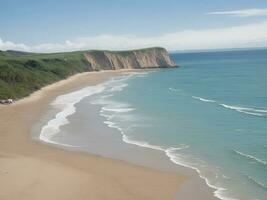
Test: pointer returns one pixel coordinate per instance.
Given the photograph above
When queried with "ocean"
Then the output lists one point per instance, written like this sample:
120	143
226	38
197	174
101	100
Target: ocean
210	115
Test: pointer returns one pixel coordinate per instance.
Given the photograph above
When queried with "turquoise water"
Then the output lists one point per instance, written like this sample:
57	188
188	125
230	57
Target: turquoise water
210	114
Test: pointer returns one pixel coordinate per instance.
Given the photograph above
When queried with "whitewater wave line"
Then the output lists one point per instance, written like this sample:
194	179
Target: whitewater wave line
69	104
203	99
170	152
250	111
258	183
251	157
66	103
118	110
246	110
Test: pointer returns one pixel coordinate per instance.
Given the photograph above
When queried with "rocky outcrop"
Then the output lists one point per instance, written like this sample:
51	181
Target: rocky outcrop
135	59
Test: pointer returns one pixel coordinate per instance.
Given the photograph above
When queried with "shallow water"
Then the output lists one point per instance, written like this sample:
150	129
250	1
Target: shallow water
210	115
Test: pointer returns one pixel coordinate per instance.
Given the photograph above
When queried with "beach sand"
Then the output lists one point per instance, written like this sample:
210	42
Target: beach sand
31	170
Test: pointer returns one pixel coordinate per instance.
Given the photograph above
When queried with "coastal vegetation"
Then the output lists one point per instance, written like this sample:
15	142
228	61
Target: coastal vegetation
22	73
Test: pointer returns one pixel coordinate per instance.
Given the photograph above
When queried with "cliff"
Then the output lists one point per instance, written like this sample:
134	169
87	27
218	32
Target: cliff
136	59
22	73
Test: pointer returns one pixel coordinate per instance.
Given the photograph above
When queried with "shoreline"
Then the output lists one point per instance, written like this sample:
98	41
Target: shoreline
136	152
22	115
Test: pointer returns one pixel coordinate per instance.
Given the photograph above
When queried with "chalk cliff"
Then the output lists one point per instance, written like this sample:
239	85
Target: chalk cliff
135	59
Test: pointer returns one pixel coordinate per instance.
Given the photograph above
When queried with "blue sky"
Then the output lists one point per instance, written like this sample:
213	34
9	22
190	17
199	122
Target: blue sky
71	25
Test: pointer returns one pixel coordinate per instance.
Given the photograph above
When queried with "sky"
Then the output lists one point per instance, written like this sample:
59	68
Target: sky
68	25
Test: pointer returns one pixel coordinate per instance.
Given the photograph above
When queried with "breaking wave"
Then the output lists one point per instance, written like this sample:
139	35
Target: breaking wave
256	182
66	104
262	162
250	111
245	110
204	100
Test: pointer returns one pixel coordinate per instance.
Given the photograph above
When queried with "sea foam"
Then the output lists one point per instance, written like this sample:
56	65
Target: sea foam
110	109
247	156
250	111
118	110
245	110
202	99
66	105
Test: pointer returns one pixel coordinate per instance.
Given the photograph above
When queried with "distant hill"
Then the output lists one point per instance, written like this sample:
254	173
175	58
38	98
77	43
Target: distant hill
22	73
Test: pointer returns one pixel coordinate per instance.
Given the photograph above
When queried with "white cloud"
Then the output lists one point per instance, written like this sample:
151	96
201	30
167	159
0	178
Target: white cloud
241	13
10	45
250	35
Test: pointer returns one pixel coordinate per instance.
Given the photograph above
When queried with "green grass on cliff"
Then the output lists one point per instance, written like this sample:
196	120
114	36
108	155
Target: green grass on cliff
22	73
126	53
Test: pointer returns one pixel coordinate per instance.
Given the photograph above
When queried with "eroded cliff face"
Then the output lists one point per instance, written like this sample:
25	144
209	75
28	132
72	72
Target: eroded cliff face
136	59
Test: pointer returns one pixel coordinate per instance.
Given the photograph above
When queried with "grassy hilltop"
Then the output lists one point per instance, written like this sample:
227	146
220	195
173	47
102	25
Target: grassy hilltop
22	73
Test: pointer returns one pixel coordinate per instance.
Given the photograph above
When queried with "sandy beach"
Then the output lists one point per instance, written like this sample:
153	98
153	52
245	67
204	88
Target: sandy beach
31	170
113	100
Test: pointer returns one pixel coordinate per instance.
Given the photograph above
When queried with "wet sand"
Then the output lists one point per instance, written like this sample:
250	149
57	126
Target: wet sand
32	170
